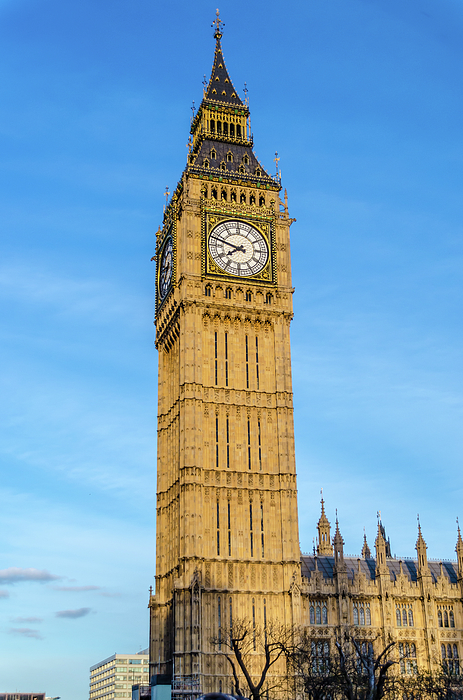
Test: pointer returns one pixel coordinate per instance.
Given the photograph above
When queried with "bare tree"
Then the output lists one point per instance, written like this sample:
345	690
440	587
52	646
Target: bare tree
349	670
252	651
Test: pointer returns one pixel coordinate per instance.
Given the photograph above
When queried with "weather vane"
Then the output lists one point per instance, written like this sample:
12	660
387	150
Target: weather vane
245	90
218	25
277	160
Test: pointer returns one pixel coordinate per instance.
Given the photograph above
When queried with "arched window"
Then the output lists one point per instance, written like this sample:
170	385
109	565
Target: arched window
228	293
362	615
258	172
206	163
225	129
439	618
242	196
452	619
407	649
261	200
213	154
207	291
229	157
223	166
404	617
410	617
324	615
223	194
368	615
252	199
214	193
233	196
356	615
442	649
241	169
268	298
212	125
398	617
248	296
246	159
238	130
449	651
312	615
232	130
318	614
219	127
446	618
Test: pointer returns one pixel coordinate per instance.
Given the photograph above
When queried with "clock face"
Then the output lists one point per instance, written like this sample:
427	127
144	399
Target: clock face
238	248
166	268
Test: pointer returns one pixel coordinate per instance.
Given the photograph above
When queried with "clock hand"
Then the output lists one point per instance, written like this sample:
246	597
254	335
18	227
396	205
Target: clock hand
241	248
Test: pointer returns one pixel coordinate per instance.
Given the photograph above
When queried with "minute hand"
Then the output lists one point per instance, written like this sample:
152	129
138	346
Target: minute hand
241	248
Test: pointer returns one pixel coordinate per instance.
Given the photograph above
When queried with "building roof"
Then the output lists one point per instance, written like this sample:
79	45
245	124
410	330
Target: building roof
367	566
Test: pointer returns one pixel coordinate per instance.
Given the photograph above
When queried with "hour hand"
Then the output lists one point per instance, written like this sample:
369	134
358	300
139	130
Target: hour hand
232	245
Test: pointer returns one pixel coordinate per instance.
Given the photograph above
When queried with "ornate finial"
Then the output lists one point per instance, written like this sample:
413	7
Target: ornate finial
188	145
278	174
204	84
245	90
192	112
218	26
166	195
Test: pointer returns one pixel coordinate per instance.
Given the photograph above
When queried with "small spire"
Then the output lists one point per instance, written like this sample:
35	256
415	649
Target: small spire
366	552
459	551
166	195
338	546
421	548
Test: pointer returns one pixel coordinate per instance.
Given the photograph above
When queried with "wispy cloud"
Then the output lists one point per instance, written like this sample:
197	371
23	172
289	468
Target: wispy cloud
76	589
24	620
25	632
73	614
16	575
4	594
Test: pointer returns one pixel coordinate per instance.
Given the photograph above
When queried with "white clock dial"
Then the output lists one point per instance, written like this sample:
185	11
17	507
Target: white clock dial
166	268
238	248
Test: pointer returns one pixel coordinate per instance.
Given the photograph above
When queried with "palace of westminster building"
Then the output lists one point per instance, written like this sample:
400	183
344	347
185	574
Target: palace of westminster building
227	542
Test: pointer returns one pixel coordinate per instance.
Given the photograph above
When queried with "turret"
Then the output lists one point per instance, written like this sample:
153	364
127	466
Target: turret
421	547
366	553
324	547
381	548
338	546
459	551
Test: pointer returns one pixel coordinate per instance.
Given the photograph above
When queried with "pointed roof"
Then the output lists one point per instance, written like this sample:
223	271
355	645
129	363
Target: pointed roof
459	546
420	543
323	519
337	539
220	88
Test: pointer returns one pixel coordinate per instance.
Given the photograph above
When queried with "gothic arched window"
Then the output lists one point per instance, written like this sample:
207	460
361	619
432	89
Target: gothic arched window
242	197
442	649
212	125
398	617
318	614
252	199
439	618
207	291
312	615
238	130
404	617
356	615
232	130
362	615
368	615
446	618
324	615
214	193
410	617
452	619
261	200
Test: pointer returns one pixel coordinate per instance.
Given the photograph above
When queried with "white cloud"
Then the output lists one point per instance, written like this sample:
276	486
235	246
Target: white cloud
16	575
73	614
25	632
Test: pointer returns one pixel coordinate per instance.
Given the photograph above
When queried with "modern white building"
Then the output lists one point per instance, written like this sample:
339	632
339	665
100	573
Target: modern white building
113	678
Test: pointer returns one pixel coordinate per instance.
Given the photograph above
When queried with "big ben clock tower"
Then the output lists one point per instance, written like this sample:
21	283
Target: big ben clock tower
227	544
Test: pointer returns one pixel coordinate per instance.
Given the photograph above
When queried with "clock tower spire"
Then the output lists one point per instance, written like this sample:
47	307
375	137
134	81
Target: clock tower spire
227	543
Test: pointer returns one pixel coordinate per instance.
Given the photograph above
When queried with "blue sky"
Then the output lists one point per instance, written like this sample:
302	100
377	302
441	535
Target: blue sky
362	99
